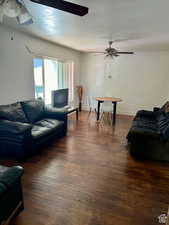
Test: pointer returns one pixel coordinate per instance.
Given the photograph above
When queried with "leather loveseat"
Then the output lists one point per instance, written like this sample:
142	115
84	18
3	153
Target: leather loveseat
148	136
11	200
26	126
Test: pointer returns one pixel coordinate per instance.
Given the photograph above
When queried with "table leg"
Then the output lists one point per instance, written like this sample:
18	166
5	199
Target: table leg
98	110
77	114
114	112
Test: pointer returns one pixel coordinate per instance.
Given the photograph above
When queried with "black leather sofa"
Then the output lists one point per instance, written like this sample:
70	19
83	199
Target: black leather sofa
11	200
148	136
27	126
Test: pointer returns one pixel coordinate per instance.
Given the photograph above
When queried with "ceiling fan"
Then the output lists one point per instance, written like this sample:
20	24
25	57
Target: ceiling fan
112	52
17	9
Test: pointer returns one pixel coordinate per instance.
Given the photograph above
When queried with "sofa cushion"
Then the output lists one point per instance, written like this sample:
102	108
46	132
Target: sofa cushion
145	124
50	123
45	127
13	112
143	131
34	110
38	131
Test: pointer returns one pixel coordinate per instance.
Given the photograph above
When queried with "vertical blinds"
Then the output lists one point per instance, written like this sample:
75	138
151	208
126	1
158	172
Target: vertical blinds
66	78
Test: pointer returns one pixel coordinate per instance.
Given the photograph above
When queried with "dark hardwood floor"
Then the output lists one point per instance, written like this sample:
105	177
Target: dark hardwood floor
88	178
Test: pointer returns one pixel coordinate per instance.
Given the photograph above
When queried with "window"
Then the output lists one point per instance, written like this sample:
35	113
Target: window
52	75
38	78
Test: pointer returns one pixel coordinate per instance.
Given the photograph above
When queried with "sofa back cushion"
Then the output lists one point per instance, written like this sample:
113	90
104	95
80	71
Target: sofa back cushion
34	110
163	124
13	112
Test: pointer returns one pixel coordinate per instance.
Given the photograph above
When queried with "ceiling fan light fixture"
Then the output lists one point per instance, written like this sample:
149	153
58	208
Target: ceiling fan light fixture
109	57
24	18
11	8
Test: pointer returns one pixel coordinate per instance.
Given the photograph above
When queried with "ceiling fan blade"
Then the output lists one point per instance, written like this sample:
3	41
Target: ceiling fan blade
97	52
64	6
24	18
125	52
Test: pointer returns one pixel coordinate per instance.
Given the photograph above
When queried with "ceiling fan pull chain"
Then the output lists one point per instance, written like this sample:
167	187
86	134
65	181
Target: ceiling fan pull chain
1	14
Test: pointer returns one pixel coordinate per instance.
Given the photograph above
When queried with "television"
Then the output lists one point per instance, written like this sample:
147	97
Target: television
60	98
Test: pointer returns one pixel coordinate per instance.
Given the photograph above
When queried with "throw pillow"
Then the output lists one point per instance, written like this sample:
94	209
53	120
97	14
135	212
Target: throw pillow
13	112
34	110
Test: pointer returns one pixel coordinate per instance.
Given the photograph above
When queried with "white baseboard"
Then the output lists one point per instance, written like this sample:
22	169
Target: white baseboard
122	112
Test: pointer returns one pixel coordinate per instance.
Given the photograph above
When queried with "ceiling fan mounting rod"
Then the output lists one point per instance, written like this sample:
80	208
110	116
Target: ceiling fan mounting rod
110	43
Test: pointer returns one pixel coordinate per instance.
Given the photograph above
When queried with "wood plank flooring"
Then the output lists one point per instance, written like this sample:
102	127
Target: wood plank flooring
89	178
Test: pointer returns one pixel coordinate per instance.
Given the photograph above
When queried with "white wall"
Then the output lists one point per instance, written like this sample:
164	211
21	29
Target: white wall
141	80
16	68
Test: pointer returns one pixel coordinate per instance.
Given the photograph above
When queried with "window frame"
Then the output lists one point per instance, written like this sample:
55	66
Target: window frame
43	73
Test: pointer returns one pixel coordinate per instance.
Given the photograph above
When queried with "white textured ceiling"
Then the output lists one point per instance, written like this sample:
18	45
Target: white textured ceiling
144	23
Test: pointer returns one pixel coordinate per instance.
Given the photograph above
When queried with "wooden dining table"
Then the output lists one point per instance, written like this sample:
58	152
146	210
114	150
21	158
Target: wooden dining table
108	99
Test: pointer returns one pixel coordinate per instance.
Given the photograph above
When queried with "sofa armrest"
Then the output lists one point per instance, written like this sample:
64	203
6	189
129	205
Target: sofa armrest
156	109
142	132
56	113
11	198
11	175
14	127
